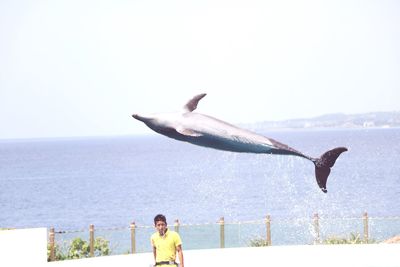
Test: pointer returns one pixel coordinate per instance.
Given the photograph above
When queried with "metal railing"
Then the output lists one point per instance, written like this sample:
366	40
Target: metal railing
265	232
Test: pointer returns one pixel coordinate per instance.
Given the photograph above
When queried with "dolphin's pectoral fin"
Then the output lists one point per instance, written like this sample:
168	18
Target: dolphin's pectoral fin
192	104
187	132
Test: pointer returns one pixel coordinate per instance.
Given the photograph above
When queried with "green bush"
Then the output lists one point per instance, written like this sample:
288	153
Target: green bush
80	248
60	255
353	239
258	242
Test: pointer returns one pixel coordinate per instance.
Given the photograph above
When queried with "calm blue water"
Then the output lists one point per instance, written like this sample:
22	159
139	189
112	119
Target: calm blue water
109	182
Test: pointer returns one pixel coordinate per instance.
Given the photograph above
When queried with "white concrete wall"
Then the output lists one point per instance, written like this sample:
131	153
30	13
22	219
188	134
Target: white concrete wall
23	247
379	255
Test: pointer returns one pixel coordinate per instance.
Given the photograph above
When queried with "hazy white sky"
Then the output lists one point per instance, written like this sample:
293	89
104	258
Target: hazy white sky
74	68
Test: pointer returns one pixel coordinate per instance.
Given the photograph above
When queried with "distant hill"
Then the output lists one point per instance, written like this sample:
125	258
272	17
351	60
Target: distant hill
338	120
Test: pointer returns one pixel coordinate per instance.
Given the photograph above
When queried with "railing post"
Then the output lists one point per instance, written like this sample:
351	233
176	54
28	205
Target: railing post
133	237
176	225
222	232
268	228
91	240
366	230
316	229
52	244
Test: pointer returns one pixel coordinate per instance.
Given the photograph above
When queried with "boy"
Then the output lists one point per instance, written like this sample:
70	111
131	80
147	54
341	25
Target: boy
166	244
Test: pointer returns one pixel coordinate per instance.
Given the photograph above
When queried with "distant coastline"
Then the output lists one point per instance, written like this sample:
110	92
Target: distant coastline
337	120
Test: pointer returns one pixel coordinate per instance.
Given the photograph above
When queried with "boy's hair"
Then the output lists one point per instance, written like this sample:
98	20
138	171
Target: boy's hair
160	217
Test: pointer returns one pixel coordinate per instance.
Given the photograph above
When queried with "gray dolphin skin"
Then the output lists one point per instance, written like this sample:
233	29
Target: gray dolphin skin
206	131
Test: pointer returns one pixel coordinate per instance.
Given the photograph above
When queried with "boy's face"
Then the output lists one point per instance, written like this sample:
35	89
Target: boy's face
161	227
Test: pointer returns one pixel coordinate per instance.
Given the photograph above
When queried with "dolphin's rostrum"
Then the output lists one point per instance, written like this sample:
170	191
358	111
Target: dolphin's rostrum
207	131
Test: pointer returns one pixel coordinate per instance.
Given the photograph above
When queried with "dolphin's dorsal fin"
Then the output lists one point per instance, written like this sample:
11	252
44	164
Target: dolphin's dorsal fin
192	104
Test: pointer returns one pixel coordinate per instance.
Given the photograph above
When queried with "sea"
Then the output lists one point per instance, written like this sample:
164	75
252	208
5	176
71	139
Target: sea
70	183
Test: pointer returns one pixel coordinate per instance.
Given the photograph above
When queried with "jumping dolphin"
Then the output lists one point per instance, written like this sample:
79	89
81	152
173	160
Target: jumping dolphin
210	132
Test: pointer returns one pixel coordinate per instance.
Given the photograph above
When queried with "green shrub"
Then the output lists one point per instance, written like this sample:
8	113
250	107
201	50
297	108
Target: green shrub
80	248
60	255
258	242
353	239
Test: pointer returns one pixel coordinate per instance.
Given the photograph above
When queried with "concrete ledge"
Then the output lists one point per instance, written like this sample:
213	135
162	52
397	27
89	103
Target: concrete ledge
308	255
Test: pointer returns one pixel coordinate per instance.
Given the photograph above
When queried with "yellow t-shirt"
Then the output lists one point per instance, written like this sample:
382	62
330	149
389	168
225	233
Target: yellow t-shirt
166	245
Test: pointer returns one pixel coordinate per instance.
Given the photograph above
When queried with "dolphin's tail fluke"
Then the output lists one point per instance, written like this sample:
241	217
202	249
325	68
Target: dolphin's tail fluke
324	164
